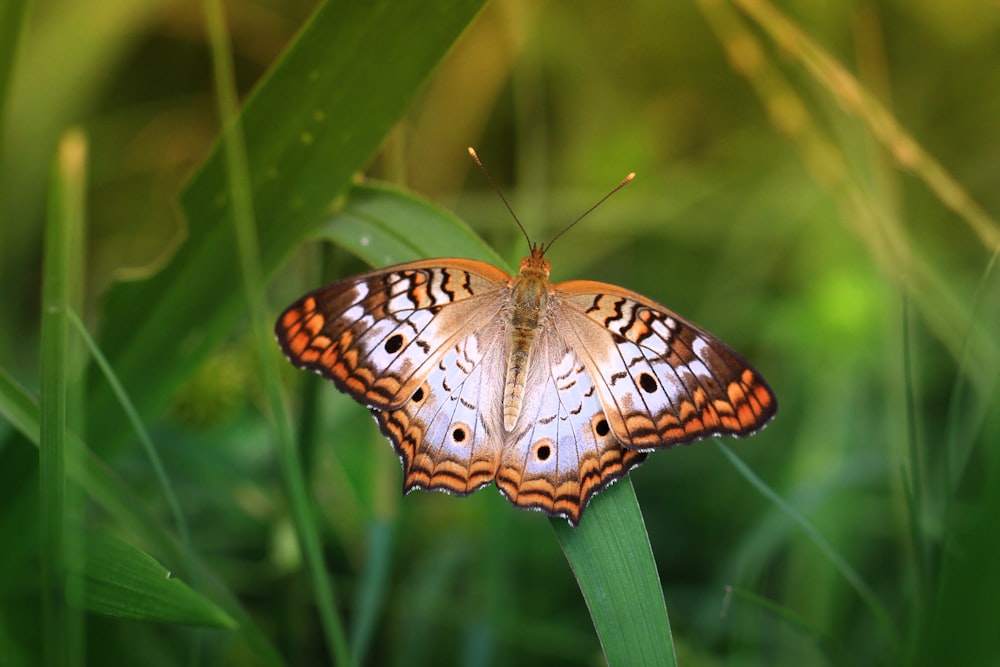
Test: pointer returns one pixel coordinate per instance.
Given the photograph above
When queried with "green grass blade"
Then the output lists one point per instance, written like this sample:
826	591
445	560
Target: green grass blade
61	624
113	496
141	433
311	123
964	429
613	563
253	283
841	565
374	582
125	582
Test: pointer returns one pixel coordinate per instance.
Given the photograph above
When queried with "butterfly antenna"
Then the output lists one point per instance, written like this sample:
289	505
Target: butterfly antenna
472	152
583	215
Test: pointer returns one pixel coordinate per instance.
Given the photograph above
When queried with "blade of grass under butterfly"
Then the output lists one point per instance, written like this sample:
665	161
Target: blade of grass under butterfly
613	563
609	552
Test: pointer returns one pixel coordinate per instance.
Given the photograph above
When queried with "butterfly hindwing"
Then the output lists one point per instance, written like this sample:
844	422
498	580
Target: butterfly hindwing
663	380
443	433
377	335
565	451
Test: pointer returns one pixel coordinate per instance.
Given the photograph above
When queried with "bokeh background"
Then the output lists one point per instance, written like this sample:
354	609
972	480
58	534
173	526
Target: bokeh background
816	185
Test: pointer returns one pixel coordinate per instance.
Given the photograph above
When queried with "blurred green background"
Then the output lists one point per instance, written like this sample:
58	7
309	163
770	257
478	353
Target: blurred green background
815	186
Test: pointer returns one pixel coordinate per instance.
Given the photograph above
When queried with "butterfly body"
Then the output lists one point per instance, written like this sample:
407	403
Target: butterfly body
529	296
551	391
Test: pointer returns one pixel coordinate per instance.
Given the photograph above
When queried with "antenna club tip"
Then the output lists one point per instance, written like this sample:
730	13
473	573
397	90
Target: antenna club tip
472	151
630	176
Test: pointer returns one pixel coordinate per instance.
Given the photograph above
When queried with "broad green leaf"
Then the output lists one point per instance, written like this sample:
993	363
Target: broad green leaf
384	224
316	119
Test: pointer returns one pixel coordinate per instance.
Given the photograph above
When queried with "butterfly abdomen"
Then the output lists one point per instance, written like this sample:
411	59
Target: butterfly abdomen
529	301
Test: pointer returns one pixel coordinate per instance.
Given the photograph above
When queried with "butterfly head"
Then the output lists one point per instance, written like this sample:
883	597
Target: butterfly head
535	263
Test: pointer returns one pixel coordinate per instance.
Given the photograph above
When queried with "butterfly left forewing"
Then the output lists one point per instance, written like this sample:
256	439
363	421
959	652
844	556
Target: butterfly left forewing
663	380
377	335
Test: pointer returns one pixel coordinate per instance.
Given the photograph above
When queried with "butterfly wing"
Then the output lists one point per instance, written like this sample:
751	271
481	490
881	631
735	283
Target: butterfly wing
449	433
662	379
379	334
563	451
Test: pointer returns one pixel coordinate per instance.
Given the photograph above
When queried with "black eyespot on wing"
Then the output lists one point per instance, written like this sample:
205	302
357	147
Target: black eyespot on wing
647	382
458	435
418	395
543	452
601	428
394	343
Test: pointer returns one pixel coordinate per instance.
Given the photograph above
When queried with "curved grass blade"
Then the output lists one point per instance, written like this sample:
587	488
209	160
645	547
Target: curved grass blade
112	495
842	566
125	582
142	434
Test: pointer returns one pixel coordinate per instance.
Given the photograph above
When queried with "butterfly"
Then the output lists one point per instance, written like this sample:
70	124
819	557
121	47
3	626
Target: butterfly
552	391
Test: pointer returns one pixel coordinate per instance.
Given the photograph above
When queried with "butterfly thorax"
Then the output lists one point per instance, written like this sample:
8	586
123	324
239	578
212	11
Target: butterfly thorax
529	299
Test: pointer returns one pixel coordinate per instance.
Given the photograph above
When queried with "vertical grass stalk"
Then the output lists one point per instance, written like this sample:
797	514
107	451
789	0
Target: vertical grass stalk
62	635
253	283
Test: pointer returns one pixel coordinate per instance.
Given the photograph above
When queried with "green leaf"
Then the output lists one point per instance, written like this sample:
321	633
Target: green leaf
613	563
316	119
383	225
125	582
